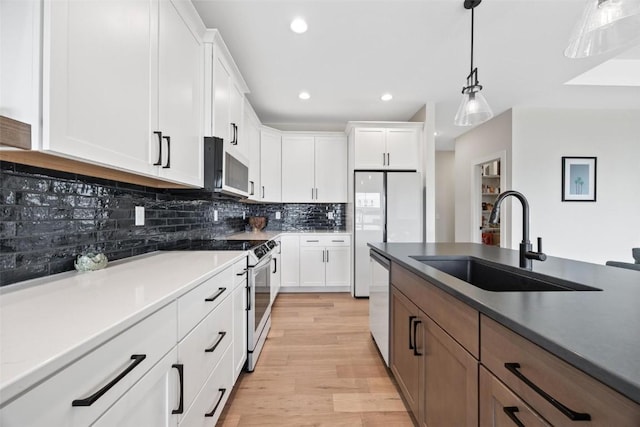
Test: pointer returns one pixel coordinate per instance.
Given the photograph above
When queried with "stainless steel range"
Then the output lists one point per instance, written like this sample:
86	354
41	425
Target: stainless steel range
258	286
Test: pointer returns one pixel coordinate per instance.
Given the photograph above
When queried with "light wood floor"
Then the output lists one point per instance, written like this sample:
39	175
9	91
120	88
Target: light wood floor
319	367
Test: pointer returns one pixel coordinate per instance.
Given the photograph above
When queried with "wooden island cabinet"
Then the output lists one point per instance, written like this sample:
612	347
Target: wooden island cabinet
455	366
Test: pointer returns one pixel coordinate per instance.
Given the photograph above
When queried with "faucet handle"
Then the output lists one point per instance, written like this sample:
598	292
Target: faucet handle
541	255
539	244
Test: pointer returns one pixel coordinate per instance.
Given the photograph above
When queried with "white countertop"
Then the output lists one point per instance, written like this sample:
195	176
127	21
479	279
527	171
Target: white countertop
47	323
269	235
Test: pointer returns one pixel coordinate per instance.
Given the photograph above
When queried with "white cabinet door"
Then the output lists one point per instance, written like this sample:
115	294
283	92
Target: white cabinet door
236	103
298	169
151	401
179	98
331	169
312	266
402	149
239	299
290	261
370	149
276	273
338	266
221	98
270	167
251	133
96	82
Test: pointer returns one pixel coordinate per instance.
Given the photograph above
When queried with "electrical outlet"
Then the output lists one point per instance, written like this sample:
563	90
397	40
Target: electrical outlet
330	215
244	215
215	215
139	215
278	216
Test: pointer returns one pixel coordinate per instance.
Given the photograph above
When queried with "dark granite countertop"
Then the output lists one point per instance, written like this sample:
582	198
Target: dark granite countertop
595	331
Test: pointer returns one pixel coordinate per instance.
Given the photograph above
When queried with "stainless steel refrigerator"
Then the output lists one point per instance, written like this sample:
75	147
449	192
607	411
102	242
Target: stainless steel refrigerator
387	208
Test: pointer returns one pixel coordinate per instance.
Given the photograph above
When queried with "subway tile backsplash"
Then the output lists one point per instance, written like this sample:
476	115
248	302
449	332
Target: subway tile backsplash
47	218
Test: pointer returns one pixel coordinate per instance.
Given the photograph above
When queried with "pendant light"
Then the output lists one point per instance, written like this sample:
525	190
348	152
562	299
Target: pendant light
473	108
605	25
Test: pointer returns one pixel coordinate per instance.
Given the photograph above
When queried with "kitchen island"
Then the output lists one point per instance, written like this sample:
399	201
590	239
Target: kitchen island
593	331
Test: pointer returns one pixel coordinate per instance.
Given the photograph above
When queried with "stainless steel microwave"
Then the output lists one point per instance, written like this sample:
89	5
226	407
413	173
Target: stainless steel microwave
223	173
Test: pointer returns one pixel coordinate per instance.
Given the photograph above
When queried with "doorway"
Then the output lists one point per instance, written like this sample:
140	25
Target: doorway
488	180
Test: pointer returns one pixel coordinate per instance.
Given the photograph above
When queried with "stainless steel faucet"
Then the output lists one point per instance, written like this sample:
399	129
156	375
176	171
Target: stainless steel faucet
526	254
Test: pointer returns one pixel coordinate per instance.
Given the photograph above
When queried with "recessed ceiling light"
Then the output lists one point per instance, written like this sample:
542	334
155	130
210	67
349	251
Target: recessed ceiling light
386	97
304	95
298	26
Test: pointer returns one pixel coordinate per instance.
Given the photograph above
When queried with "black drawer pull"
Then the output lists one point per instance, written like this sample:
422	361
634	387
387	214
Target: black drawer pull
572	415
168	165
222	391
242	273
217	343
411	319
511	413
88	401
415	341
216	295
180	368
159	162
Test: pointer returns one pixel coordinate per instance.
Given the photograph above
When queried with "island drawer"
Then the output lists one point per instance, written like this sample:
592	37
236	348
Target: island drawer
455	317
200	301
556	390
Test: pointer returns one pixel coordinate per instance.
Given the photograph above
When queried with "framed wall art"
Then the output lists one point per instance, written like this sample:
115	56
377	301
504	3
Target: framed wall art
579	179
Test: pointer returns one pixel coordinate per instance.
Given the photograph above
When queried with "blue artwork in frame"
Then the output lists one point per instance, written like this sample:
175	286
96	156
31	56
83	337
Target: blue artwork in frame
579	179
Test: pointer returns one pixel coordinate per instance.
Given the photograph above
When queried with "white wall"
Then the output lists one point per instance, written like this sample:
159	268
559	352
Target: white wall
445	196
589	231
427	151
490	137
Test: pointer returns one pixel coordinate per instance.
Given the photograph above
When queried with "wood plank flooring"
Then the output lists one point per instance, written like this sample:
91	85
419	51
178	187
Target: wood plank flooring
319	367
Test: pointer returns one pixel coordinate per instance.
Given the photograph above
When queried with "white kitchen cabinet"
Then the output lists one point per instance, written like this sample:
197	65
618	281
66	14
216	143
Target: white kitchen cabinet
239	301
128	356
107	89
251	127
325	260
225	101
386	148
290	261
314	169
270	166
276	270
152	401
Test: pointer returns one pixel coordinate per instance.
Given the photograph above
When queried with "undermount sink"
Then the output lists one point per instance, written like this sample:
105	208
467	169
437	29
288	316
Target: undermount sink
497	277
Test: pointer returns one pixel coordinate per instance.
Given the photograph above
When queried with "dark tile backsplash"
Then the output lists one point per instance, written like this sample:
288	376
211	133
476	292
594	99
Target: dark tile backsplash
47	218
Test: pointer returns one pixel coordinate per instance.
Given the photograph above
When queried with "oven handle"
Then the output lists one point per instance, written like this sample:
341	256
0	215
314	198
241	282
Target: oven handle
248	297
275	265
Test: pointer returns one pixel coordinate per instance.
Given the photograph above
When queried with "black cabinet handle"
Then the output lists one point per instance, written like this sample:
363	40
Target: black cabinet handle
242	273
180	368
415	334
159	162
323	257
572	415
388	159
327	255
88	401
221	335
275	266
411	319
384	160
216	295
263	191
252	189
511	413
222	391
168	139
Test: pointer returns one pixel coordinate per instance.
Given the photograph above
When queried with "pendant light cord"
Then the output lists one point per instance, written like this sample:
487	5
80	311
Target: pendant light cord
471	71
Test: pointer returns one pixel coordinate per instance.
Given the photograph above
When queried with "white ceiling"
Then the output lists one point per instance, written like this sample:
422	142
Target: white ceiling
418	50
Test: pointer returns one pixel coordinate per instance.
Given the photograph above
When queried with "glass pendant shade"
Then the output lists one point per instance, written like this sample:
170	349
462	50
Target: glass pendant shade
605	25
474	108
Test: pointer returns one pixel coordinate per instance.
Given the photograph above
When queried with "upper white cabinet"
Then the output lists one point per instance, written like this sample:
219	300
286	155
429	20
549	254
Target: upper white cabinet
126	95
392	147
251	132
224	97
270	166
314	168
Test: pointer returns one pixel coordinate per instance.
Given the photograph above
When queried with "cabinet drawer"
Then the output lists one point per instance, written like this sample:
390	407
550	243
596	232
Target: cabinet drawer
211	400
458	319
569	386
325	240
197	303
215	334
500	407
311	241
50	403
240	272
337	240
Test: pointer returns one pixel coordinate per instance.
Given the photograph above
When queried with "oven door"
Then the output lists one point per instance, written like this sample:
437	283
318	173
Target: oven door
259	309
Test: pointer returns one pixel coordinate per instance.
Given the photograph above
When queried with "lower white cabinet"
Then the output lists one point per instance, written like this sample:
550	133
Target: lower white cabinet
152	401
276	270
325	260
79	394
289	261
